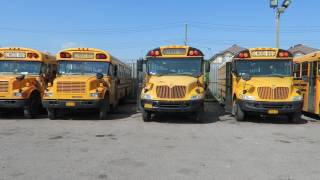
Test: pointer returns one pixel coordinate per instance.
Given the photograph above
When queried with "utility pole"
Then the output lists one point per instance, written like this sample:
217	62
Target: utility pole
279	11
186	35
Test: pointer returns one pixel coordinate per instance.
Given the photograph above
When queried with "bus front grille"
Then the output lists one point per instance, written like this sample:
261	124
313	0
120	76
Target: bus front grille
71	87
276	93
176	92
4	86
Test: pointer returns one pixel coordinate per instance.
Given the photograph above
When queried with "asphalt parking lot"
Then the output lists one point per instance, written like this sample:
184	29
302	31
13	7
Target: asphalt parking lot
171	147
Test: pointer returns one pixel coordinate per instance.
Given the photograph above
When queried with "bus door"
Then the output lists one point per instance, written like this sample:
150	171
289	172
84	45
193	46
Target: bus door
228	95
312	86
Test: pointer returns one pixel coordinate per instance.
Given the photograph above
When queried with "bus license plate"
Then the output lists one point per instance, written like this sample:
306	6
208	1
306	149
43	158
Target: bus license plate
273	111
147	105
70	104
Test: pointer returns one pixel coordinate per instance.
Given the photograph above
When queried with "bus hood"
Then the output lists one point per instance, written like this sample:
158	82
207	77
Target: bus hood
270	82
13	78
75	78
7	77
172	80
269	88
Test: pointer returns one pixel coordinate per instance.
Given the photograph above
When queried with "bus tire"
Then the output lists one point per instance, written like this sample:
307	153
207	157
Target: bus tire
146	116
33	105
295	118
104	108
52	113
237	112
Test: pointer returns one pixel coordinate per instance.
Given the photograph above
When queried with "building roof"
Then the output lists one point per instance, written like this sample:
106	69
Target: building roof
302	49
234	49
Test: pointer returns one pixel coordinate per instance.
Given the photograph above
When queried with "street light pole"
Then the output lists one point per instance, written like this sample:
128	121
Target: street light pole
277	29
186	35
279	11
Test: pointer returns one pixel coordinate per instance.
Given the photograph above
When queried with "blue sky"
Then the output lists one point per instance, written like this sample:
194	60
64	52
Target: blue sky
129	28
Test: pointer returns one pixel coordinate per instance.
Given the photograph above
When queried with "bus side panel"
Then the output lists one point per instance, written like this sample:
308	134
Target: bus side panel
228	101
317	98
311	87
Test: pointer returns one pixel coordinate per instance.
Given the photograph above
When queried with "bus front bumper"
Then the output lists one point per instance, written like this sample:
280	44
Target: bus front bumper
270	108
12	103
172	106
72	104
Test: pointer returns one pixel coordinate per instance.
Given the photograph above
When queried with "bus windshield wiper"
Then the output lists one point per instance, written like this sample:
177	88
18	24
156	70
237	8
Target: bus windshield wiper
278	75
188	74
164	74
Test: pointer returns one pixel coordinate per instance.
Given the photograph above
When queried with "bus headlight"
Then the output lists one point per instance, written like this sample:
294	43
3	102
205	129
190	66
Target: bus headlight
94	95
297	98
17	94
146	96
48	94
196	97
248	98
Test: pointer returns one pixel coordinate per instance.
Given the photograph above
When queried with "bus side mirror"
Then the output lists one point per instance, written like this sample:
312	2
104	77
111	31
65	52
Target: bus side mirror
246	77
234	72
99	75
233	69
20	77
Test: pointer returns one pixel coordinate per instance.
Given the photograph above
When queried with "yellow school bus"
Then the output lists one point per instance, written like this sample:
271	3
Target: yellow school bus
259	81
24	73
307	80
87	78
174	81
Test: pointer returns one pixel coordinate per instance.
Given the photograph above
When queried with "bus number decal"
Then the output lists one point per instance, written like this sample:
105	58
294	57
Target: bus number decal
83	55
15	55
260	53
175	51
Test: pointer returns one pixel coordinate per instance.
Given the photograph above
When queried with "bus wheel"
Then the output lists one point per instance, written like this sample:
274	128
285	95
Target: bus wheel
237	112
104	108
295	118
32	107
52	114
146	116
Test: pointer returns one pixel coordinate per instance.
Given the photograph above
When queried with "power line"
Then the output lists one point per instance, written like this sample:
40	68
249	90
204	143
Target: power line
95	31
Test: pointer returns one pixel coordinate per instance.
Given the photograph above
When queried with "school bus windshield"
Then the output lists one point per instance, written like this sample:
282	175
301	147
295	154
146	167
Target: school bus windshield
83	67
264	67
20	67
174	66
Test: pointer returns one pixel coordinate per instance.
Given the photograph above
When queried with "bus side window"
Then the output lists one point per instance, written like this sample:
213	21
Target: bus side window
314	70
111	70
297	70
318	68
304	69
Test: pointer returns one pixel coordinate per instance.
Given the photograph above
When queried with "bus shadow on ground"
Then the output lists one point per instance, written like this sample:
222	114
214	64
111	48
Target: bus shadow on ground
121	112
211	115
17	114
273	120
219	111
